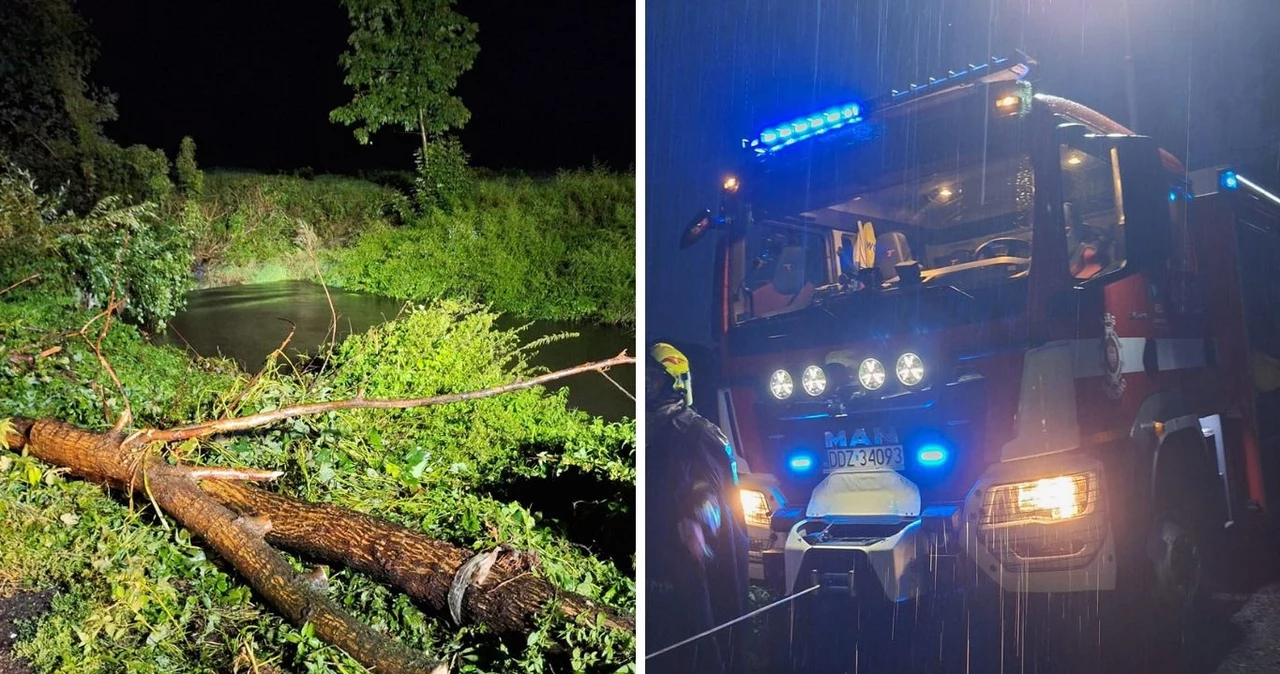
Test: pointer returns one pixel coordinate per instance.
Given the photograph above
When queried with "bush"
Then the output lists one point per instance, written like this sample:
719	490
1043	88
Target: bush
246	218
114	248
444	181
190	177
560	249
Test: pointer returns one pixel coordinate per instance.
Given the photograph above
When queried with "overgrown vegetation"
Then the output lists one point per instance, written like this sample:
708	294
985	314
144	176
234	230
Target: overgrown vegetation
133	596
247	221
53	116
190	177
558	248
555	248
113	249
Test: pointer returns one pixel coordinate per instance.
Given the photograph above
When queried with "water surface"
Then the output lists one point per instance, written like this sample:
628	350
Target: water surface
246	323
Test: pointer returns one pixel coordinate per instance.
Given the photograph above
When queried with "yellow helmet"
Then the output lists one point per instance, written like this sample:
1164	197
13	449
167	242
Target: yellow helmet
676	365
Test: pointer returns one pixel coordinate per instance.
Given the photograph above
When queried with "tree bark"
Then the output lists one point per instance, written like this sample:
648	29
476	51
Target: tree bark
422	128
507	602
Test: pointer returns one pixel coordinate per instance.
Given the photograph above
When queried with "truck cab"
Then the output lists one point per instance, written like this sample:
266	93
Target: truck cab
971	319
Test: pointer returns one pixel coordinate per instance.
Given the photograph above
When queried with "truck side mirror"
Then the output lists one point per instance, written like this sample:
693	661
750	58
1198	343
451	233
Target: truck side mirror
696	228
1144	194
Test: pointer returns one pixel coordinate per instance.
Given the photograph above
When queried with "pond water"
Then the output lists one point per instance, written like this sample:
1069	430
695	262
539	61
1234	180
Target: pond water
246	323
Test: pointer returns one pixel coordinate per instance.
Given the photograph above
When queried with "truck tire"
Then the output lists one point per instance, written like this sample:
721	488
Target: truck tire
1164	571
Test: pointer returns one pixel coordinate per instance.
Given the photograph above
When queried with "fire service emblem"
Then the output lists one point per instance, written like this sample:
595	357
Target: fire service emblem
1112	363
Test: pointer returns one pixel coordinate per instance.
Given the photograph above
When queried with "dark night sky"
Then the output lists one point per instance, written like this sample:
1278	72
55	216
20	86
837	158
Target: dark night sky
253	82
718	72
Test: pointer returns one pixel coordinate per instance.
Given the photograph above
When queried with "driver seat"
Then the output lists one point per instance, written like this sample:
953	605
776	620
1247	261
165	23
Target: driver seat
892	250
1088	256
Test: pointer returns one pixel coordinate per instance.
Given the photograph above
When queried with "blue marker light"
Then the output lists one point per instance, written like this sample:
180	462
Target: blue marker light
801	463
931	455
833	116
1173	196
1229	180
769	137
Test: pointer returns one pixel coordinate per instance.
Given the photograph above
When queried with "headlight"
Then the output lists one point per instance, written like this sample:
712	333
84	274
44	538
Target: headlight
780	384
755	506
910	369
871	374
814	380
1047	500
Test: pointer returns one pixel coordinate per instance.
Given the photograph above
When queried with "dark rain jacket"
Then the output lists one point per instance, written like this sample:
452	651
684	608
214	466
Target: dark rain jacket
690	474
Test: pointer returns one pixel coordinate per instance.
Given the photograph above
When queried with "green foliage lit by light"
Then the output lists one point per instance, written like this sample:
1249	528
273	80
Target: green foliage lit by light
557	248
190	177
113	250
444	181
404	60
562	248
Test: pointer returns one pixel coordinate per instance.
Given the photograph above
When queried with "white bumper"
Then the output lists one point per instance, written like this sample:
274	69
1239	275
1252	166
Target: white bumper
869	519
871	523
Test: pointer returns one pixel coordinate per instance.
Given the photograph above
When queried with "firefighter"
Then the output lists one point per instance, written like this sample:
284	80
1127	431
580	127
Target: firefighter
695	532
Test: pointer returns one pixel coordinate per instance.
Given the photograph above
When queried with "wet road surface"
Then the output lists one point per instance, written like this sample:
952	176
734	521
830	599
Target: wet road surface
1238	632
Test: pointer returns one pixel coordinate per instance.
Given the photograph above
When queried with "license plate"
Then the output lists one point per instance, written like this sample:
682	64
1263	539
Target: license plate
888	457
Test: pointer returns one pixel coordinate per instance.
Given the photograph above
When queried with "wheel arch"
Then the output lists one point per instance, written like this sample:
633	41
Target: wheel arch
1168	460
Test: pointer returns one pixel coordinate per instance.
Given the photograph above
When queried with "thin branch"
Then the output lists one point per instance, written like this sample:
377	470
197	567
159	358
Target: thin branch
15	285
174	330
16	358
308	240
34	135
625	392
127	415
265	418
243	474
271	357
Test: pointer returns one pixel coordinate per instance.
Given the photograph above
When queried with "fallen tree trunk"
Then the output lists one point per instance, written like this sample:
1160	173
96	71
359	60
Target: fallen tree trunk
507	602
241	522
98	457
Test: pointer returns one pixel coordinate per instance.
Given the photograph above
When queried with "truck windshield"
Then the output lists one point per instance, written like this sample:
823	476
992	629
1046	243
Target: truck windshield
943	197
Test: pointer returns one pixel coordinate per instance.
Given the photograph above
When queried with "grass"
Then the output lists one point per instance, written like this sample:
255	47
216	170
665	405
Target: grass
554	248
132	596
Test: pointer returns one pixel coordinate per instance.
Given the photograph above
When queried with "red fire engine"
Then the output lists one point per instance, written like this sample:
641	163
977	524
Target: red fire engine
973	321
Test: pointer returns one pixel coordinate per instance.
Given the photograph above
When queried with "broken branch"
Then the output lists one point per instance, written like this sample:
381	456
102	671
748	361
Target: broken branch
11	286
265	418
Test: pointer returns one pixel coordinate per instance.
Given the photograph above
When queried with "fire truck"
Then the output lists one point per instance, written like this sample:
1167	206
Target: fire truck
967	321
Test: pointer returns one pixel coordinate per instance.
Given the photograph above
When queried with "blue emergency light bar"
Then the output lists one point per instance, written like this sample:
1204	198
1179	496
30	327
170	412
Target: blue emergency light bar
775	138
